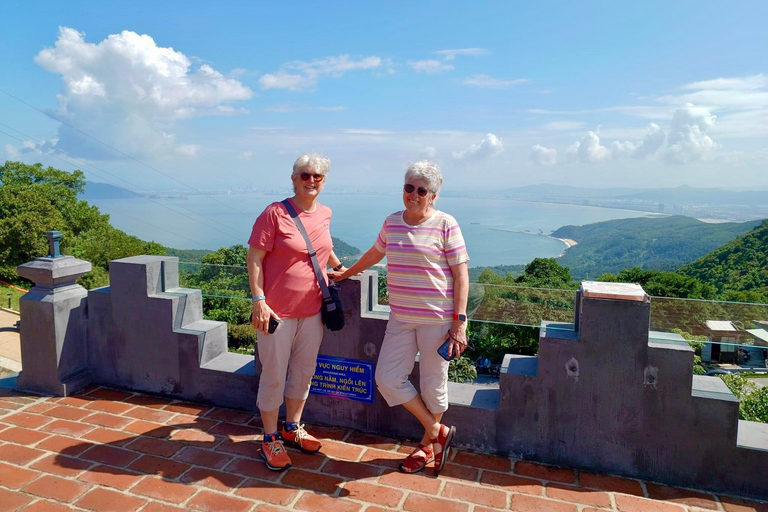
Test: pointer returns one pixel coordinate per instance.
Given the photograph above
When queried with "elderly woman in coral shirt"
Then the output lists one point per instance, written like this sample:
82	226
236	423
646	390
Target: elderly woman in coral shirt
428	285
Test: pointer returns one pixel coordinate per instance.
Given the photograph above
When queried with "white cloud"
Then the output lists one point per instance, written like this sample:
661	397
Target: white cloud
430	67
452	54
687	140
299	75
590	151
287	109
490	146
188	150
245	155
124	87
11	152
743	83
541	155
652	141
563	125
488	82
366	131
429	152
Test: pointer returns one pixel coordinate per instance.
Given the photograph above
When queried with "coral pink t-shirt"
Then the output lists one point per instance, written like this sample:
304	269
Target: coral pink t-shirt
290	284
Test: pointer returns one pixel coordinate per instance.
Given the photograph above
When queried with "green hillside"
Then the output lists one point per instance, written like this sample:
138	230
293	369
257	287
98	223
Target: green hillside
654	243
738	269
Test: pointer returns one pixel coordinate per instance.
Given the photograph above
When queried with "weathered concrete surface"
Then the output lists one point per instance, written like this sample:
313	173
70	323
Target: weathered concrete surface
53	348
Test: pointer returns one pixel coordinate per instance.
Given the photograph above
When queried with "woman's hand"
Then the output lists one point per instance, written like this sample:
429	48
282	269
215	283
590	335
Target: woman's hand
458	335
338	275
261	315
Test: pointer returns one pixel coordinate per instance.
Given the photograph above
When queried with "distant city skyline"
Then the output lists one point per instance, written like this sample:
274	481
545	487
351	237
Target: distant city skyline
160	96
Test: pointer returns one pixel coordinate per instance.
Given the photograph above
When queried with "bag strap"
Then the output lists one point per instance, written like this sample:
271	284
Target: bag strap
330	305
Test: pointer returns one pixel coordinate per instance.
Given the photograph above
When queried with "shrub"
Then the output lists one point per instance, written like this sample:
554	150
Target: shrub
241	336
461	370
755	406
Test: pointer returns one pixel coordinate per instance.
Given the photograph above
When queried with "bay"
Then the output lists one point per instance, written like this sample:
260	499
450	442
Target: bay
497	232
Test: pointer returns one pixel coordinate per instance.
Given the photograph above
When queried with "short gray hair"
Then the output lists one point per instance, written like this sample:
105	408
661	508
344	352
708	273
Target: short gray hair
427	171
315	161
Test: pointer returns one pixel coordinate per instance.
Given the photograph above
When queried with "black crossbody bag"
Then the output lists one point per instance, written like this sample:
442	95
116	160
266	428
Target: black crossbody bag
332	312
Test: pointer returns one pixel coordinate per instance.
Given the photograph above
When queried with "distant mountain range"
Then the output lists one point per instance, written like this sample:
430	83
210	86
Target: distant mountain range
659	243
96	190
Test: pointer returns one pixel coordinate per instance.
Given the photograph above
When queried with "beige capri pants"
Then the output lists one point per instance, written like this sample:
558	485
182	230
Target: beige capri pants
288	360
397	357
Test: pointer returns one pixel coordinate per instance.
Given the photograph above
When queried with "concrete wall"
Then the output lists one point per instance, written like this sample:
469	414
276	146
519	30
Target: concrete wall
608	397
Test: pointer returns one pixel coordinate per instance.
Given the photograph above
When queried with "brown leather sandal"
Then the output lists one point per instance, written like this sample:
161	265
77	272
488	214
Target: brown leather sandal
416	461
444	439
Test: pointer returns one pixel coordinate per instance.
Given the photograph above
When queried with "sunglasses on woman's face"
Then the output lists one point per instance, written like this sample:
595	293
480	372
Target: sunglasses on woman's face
317	177
408	188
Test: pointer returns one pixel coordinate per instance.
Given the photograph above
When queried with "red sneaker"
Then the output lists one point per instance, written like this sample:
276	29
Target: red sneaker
299	437
274	455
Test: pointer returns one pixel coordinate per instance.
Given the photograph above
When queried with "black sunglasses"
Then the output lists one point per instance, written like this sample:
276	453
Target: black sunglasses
408	188
317	177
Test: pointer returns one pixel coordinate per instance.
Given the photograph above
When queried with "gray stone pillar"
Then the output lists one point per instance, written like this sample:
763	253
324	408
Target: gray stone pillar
53	324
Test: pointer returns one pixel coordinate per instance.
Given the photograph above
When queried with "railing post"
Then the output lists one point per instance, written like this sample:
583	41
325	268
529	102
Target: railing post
53	324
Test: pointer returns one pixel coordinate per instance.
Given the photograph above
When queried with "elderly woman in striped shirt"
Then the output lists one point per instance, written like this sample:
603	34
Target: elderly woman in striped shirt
428	285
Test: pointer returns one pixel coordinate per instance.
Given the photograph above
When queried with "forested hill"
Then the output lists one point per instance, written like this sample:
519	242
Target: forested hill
654	243
739	266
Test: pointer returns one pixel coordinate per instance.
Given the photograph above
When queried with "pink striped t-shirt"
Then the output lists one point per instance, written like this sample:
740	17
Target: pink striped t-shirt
419	259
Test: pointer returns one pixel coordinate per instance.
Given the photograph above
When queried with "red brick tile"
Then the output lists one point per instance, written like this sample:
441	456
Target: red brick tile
252	468
372	441
64	412
311	481
234	430
374	508
154	506
372	493
544	472
579	495
187	421
264	491
20	455
319	503
55	488
107	420
40	408
342	451
106	436
158	466
256	422
12	501
681	496
353	470
188	408
13	477
610	483
110	477
382	458
146	414
325	432
67	428
625	503
218	480
24	419
303	460
110	455
482	461
269	508
146	428
195	437
230	415
153	446
109	406
109	394
214	502
740	505
25	436
474	494
419	503
61	465
103	500
248	449
458	472
511	483
9	405
153	402
76	400
161	489
416	481
46	506
524	503
206	458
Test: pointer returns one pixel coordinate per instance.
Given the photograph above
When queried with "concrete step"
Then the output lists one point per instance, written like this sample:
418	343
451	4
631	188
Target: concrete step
212	338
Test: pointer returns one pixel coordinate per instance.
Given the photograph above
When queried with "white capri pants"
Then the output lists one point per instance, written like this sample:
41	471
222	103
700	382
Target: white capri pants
397	357
288	361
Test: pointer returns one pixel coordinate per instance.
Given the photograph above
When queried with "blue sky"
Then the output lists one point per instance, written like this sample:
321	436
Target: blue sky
501	94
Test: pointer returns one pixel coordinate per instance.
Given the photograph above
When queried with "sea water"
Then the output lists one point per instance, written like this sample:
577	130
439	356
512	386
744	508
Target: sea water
497	232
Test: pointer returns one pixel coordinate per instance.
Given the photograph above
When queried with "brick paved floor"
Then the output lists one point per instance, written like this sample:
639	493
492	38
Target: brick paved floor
113	451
